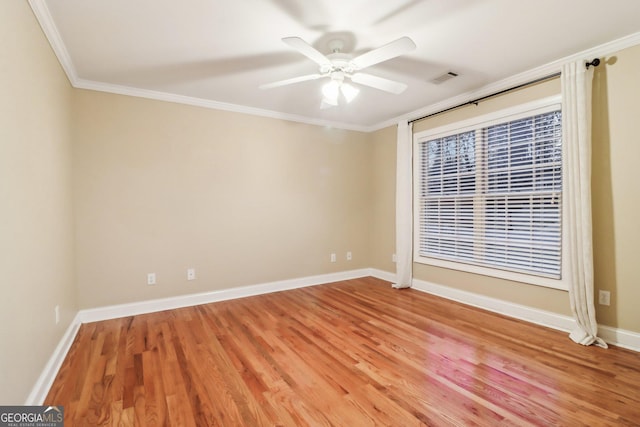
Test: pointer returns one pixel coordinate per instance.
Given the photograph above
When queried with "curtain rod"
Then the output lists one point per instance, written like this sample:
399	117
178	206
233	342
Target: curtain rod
483	98
593	63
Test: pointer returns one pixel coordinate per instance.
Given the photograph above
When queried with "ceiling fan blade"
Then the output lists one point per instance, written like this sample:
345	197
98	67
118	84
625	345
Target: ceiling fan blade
384	53
291	81
379	83
307	50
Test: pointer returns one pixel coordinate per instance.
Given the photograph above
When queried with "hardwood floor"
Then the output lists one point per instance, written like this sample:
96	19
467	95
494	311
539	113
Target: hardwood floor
353	353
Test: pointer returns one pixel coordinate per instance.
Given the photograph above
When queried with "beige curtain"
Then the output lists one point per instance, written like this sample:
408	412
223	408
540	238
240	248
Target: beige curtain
404	206
576	111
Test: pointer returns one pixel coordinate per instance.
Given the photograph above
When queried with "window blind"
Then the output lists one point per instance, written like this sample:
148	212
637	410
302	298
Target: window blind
492	196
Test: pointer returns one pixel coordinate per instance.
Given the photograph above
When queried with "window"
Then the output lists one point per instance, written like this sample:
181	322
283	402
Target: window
489	195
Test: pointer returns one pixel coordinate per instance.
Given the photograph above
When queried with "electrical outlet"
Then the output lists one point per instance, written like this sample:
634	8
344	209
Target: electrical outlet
151	279
333	257
56	310
191	274
604	297
394	258
349	256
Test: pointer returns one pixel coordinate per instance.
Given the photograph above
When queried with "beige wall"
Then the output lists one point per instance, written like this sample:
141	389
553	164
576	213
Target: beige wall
161	187
36	233
383	208
616	197
616	187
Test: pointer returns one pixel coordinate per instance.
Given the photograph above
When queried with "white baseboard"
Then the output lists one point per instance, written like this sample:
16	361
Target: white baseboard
518	311
620	337
45	380
615	336
142	307
381	274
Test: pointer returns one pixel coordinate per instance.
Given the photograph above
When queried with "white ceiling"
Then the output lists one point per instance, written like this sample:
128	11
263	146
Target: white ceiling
216	53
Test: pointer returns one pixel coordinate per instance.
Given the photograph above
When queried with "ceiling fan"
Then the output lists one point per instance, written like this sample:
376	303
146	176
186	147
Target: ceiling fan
339	66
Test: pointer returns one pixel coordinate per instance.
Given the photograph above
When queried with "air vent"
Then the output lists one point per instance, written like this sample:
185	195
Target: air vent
443	78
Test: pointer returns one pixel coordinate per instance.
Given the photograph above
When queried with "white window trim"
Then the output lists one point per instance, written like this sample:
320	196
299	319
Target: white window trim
507	114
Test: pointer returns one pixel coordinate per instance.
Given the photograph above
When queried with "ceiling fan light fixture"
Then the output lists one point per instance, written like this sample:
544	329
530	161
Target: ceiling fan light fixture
331	90
328	103
349	92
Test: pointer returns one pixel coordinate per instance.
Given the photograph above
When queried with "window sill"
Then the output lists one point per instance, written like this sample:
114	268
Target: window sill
494	272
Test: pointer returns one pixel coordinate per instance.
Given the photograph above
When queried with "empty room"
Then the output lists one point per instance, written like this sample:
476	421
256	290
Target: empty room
320	213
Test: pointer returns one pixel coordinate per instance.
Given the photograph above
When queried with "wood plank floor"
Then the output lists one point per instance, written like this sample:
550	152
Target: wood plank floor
352	353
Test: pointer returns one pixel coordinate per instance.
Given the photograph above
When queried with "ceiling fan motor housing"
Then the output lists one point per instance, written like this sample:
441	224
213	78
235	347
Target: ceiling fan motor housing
339	62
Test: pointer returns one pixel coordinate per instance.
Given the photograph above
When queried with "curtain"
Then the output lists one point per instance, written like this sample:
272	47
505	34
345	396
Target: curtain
404	206
576	110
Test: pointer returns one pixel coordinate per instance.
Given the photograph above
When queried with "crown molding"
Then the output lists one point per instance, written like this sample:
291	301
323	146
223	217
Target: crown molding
516	80
41	11
43	15
207	103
